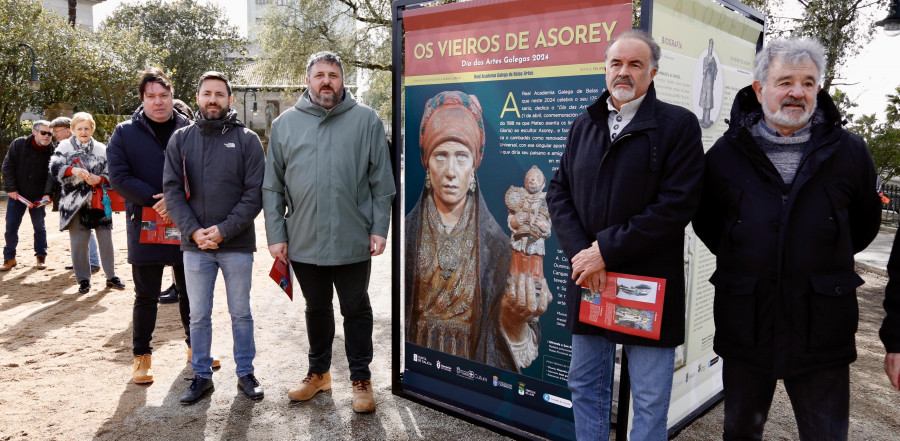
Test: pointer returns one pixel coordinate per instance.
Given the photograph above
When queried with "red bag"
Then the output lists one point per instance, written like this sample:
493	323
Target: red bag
116	202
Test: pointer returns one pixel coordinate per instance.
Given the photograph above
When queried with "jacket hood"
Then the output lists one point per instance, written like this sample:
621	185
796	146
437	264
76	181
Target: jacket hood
211	127
305	105
747	110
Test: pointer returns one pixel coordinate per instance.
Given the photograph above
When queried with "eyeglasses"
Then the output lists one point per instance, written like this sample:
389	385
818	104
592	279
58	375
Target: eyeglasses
44	132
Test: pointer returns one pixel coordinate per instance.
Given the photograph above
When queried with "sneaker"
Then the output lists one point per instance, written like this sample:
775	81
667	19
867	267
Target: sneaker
84	286
363	397
310	386
251	387
41	263
95	268
115	283
199	388
170	295
69	267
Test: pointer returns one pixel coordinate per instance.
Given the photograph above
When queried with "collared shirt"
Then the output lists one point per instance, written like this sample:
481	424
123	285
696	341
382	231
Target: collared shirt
619	119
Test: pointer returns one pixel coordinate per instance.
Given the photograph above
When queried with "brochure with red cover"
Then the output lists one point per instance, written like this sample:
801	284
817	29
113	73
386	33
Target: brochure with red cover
155	230
281	274
628	304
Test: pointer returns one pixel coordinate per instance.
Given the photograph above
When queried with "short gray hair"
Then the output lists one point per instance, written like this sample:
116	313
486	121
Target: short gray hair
61	121
637	34
792	50
40	122
326	56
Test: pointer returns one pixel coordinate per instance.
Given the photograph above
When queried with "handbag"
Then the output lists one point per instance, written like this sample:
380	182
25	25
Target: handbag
113	201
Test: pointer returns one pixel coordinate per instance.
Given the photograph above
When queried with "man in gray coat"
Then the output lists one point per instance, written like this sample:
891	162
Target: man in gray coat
211	184
327	199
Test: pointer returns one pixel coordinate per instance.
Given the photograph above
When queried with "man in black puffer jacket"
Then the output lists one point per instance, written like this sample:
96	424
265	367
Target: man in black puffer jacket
789	198
25	170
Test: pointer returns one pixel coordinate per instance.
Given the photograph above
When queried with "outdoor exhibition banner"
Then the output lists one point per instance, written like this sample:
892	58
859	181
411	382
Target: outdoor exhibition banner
490	90
708	55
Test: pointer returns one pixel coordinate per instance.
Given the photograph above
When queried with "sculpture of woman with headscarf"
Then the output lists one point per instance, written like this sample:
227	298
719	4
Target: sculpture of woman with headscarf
460	298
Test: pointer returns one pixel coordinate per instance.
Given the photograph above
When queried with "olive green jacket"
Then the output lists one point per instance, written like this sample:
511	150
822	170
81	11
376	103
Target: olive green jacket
328	182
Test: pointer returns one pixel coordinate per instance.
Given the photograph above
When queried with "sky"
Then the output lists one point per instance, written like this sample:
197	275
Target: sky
869	76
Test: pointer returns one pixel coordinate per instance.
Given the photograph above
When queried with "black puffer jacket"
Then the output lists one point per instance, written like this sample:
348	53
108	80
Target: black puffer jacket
634	196
785	282
136	160
25	169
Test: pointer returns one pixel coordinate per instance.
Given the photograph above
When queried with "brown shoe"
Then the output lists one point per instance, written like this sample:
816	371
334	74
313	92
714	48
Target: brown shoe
142	373
310	386
41	263
8	264
363	397
216	363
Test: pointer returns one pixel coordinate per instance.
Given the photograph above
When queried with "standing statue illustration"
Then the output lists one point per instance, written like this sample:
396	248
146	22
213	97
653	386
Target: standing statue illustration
529	221
707	100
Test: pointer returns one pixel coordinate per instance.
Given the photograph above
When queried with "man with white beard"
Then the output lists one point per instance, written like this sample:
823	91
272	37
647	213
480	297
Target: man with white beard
789	198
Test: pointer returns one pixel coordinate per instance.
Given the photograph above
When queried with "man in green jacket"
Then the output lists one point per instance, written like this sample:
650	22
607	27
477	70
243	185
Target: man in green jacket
327	198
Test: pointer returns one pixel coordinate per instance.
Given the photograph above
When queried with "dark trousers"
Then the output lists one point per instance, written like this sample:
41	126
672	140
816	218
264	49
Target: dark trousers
15	211
351	283
820	399
147	281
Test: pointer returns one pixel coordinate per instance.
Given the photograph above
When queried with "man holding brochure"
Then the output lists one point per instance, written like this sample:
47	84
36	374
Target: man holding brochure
25	170
136	155
628	183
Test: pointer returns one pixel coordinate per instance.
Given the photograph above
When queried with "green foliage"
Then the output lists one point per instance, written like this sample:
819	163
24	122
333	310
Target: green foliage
357	30
196	37
883	138
843	103
106	124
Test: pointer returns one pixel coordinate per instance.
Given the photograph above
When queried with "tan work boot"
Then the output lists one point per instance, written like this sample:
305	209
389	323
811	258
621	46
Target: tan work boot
142	373
8	264
41	263
310	386
363	397
216	363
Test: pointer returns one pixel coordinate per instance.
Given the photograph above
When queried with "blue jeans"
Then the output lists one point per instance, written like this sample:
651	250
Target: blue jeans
200	271
591	380
15	211
92	249
820	399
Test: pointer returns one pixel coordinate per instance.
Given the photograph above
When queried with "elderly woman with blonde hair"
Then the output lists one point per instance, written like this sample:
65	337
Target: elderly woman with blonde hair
460	297
79	164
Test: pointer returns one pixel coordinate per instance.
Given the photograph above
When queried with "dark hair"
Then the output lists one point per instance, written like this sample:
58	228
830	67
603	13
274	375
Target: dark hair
326	56
154	75
214	75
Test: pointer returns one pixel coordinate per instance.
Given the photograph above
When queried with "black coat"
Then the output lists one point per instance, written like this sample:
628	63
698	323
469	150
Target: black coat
785	283
634	197
890	328
25	169
136	161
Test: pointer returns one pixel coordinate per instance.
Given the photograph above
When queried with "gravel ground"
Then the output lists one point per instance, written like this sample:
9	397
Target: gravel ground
65	367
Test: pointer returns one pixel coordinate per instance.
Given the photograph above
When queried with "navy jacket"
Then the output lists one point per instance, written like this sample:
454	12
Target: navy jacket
634	196
223	164
785	283
25	169
136	161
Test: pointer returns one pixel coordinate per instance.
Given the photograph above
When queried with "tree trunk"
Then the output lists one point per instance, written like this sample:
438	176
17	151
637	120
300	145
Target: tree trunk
73	5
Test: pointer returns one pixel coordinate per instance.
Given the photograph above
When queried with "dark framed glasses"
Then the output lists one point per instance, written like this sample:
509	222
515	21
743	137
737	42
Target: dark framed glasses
44	132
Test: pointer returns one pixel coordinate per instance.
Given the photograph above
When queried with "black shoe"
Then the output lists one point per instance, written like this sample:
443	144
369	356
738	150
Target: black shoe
69	267
251	387
169	296
115	283
199	388
95	268
84	286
